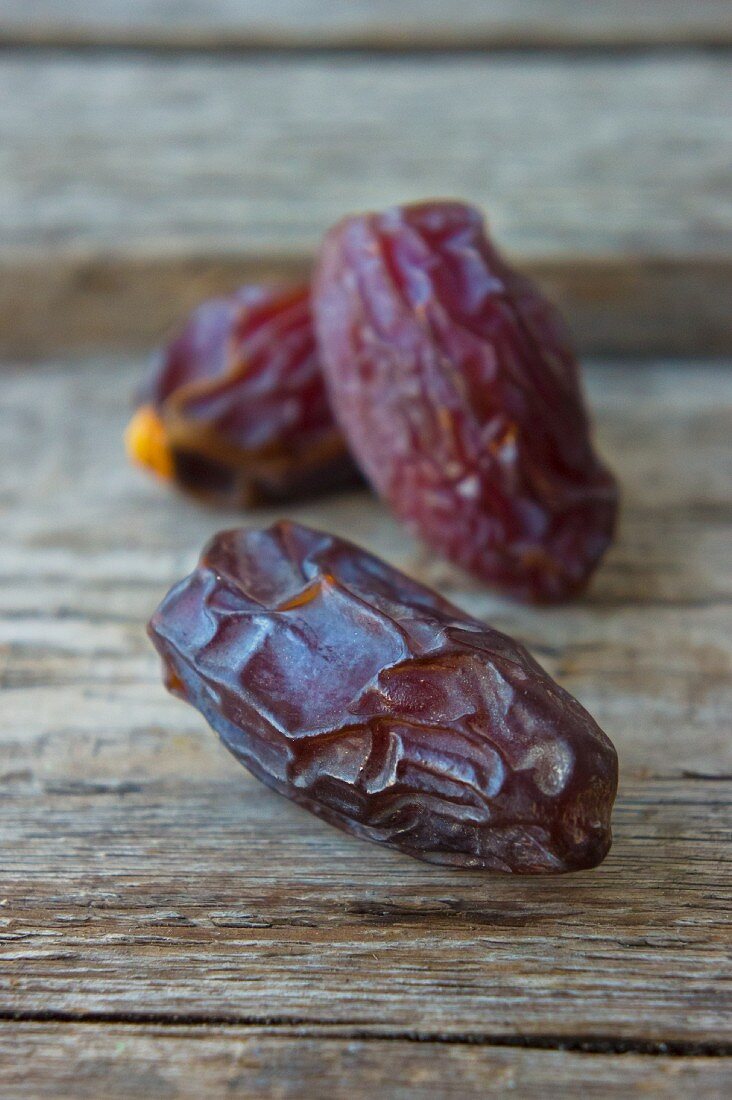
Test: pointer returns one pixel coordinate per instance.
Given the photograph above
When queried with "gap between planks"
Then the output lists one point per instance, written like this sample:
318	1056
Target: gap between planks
368	24
263	47
69	302
303	1028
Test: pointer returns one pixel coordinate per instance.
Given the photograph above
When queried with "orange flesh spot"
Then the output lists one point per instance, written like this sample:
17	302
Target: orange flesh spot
146	442
174	683
302	598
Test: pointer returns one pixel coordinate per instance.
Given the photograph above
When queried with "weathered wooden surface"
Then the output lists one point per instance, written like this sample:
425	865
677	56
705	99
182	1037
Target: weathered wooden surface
131	185
90	546
155	1063
591	155
374	24
145	878
169	928
216	902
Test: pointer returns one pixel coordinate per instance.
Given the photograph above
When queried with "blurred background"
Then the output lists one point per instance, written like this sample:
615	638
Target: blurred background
153	151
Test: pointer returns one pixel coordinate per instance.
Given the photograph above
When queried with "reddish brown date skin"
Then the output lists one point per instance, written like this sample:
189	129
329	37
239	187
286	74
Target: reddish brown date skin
454	383
236	410
370	700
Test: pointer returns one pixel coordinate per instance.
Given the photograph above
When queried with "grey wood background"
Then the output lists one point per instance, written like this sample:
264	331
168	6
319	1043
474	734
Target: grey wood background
168	927
132	183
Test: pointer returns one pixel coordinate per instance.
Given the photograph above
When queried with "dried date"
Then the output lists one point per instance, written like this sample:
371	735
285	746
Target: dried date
370	700
455	385
236	410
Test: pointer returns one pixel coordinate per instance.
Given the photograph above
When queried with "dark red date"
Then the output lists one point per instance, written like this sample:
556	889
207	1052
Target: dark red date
454	383
236	410
380	707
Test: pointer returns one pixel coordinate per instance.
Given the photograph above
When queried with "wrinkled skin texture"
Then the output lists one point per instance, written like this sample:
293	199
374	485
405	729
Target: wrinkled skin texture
460	398
236	410
383	709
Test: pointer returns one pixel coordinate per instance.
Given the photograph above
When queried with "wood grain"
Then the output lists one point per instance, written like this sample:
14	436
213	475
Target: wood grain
91	545
218	902
366	24
155	1063
590	156
129	186
169	927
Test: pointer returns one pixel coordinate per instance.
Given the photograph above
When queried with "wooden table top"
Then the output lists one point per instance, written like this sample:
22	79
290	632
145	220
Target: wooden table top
168	926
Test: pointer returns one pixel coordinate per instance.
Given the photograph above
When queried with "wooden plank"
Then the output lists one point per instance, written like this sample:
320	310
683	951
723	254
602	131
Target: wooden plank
588	157
154	1063
591	156
130	185
145	876
366	24
91	545
220	902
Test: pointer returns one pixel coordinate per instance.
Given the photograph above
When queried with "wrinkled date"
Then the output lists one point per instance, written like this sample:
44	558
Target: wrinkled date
383	709
236	410
454	383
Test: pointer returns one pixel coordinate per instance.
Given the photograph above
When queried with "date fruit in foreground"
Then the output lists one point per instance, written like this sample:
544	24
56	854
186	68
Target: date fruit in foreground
455	385
383	709
236	410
